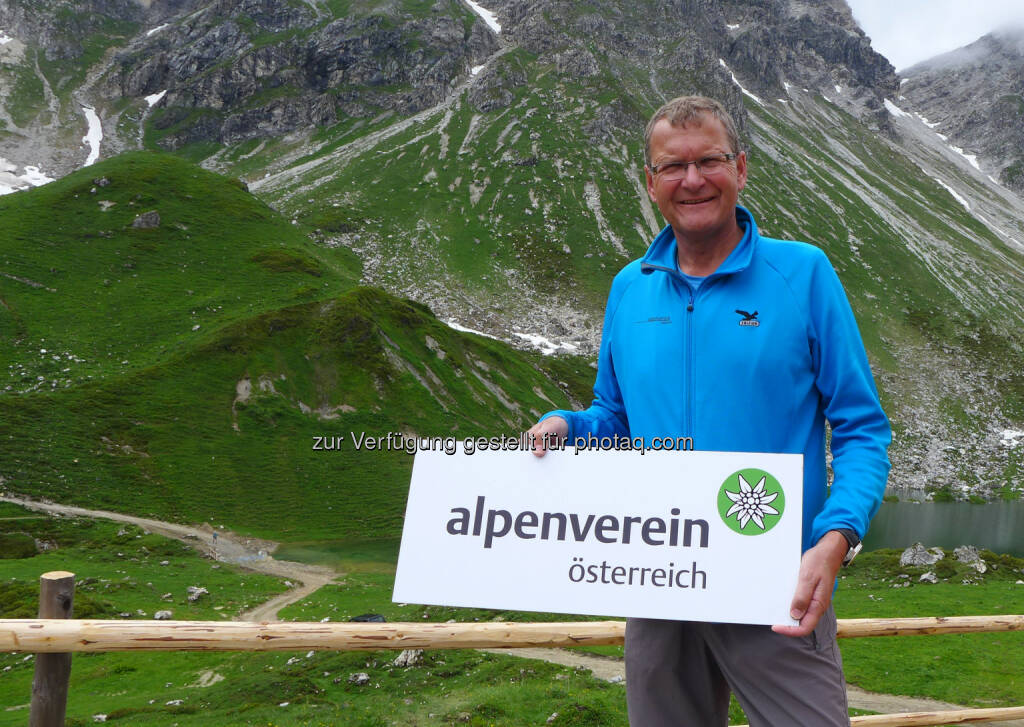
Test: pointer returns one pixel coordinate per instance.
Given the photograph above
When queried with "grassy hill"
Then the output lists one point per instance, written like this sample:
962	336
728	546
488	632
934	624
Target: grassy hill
84	290
219	423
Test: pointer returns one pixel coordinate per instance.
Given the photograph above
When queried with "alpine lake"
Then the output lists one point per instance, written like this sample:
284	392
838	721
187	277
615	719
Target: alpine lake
998	527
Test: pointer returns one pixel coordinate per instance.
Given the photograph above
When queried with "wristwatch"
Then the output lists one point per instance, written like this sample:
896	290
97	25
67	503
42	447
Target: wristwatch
854	543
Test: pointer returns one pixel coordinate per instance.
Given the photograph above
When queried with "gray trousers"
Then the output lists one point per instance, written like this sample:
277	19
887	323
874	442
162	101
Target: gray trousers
679	674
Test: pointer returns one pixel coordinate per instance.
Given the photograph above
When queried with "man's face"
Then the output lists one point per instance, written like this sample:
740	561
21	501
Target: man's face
700	206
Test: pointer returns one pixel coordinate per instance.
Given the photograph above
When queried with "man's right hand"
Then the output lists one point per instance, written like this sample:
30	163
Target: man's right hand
552	430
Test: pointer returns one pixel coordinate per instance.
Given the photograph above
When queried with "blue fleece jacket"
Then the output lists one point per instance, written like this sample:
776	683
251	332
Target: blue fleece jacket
675	362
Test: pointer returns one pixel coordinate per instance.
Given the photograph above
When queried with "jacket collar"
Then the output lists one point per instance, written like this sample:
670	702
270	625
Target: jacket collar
661	255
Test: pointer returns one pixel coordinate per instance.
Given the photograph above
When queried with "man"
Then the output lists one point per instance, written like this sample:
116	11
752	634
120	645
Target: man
743	343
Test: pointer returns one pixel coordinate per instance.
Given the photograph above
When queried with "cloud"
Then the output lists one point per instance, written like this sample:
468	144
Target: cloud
910	31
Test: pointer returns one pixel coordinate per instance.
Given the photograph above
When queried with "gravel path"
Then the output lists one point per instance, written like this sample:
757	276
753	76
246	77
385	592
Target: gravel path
249	553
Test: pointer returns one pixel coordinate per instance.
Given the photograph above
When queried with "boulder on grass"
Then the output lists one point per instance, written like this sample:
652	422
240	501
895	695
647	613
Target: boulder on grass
917	554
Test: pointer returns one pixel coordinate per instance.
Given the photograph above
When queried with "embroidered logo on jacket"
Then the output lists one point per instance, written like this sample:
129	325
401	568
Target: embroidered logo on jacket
749	319
656	319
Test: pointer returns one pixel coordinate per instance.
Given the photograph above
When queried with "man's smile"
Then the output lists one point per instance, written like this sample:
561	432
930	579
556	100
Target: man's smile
702	200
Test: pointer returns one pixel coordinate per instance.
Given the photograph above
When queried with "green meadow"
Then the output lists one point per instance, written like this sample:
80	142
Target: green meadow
121	572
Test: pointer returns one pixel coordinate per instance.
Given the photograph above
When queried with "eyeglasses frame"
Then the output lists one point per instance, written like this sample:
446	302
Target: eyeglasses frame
729	156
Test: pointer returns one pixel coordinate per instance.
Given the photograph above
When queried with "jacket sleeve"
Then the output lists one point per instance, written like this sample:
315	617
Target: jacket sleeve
606	416
860	429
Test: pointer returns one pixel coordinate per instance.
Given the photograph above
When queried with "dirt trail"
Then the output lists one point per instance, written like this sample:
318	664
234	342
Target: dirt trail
609	668
614	670
249	553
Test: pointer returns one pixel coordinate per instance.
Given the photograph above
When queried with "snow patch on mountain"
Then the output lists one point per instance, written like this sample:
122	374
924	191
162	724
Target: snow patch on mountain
488	17
546	346
93	136
737	82
1011	437
958	197
894	109
972	158
454	324
154	98
12	182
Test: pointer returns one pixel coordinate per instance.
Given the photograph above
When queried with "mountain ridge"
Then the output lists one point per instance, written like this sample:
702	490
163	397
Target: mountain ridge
975	96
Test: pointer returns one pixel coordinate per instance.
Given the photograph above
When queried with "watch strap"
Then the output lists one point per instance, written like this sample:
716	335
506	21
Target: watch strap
854	543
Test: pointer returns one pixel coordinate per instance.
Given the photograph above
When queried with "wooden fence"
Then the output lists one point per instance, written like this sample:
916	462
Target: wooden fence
55	637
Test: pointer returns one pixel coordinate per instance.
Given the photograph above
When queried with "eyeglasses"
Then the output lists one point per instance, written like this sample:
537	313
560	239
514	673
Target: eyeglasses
709	165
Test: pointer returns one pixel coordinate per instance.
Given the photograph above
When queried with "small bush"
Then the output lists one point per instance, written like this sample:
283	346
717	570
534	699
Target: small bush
337	221
942	494
284	261
17	545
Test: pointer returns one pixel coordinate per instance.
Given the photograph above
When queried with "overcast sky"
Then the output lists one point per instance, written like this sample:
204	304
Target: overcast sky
908	31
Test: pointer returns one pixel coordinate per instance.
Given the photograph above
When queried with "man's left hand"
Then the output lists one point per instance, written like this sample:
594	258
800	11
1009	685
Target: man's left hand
818	569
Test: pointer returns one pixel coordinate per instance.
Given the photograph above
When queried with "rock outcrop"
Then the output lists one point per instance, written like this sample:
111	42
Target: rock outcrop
241	69
976	96
234	70
917	554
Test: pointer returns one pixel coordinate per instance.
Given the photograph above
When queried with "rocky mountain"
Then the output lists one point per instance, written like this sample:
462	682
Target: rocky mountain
51	52
975	96
243	69
488	163
174	74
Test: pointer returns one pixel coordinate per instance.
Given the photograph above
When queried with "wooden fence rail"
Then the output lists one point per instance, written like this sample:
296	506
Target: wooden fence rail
56	637
929	719
70	635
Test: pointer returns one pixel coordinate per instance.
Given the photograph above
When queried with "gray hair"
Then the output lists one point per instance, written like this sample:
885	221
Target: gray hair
687	109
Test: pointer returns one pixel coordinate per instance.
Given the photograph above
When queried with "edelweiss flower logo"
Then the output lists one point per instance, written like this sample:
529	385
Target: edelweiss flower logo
751	510
751	503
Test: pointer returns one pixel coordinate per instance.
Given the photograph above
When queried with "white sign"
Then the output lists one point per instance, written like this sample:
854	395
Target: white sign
701	536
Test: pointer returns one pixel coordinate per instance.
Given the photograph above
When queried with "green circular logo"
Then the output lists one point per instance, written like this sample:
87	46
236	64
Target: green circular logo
751	501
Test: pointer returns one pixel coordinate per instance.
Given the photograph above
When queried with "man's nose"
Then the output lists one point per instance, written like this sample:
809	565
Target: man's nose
694	177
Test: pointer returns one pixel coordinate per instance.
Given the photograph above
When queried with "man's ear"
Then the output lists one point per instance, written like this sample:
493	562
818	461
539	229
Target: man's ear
650	183
741	170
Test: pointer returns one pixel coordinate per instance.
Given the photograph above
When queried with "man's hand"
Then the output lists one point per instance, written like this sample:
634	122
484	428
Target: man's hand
551	430
818	569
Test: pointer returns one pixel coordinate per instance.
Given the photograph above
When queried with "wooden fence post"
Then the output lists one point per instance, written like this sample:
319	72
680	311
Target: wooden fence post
53	671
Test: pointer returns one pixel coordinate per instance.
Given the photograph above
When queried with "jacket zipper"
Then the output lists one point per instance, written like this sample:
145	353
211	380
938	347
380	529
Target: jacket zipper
689	383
